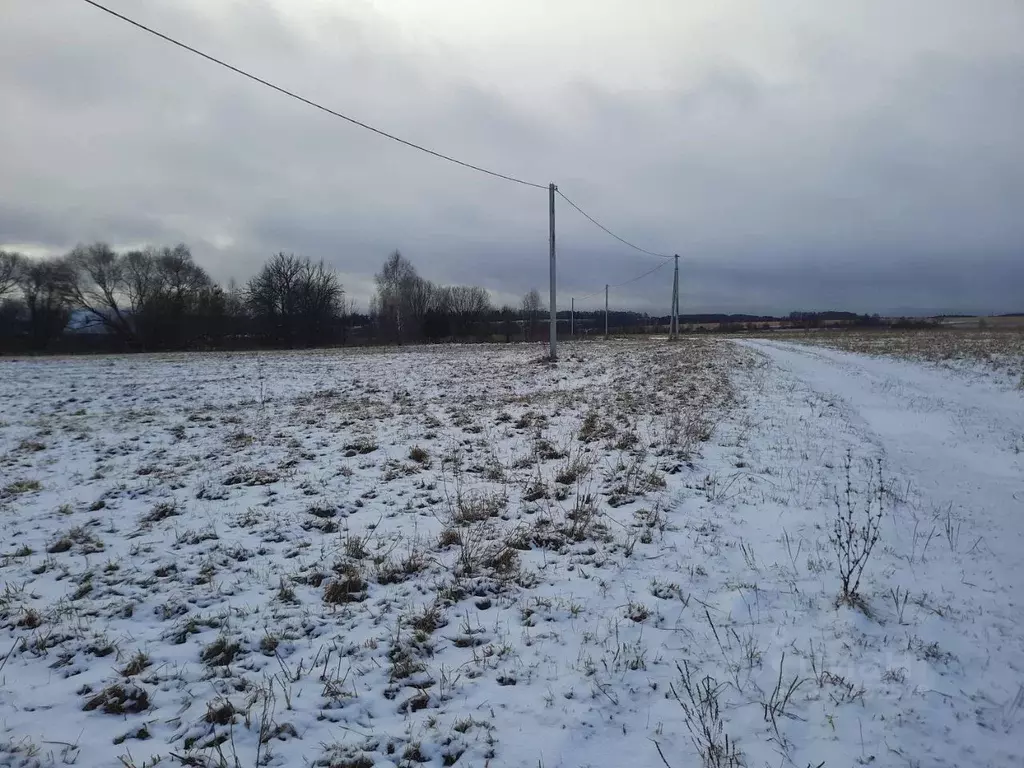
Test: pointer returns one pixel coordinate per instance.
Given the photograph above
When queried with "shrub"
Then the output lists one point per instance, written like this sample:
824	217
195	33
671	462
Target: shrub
855	531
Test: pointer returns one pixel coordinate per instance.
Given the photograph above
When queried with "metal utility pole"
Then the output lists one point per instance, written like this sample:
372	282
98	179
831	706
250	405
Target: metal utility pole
674	334
572	317
554	310
606	310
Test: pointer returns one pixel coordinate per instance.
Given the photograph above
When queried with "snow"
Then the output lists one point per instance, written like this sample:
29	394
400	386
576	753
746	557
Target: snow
529	589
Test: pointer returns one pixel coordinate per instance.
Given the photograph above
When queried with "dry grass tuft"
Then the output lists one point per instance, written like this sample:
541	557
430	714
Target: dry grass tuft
119	699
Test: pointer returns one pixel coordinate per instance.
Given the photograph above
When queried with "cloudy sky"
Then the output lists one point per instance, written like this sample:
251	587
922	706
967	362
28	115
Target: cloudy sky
858	155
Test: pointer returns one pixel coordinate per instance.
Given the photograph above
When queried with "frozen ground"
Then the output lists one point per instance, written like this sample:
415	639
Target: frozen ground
461	556
995	353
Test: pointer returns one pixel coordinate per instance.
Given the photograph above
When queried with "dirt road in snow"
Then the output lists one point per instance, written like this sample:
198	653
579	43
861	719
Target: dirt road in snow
956	443
959	439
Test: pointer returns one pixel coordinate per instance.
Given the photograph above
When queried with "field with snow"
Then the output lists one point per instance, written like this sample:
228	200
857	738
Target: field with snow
996	352
463	556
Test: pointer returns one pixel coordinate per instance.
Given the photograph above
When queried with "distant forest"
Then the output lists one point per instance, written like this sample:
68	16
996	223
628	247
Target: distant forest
158	299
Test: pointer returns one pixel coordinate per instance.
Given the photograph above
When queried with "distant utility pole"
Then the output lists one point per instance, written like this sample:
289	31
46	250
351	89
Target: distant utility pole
572	317
674	331
606	310
554	299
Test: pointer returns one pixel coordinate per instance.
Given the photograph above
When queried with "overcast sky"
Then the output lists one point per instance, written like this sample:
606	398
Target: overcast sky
813	155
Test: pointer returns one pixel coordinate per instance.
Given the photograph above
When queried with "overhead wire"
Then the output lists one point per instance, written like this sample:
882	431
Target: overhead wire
608	231
380	132
645	274
627	282
309	102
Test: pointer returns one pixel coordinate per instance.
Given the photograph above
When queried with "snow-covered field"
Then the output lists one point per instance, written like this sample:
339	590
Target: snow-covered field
996	352
464	556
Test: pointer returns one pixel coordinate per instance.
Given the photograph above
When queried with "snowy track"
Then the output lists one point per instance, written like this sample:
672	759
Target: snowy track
953	446
958	438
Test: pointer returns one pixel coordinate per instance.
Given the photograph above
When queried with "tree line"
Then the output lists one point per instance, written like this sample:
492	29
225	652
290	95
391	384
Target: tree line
409	308
159	298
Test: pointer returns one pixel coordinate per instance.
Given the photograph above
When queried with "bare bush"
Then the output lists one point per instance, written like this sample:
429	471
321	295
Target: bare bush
855	531
703	716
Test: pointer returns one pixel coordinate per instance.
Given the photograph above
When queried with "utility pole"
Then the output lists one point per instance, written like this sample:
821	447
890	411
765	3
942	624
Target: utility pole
572	317
606	310
554	309
675	301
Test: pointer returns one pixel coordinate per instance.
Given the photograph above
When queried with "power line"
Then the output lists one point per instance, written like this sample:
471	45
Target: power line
602	226
359	123
385	134
626	282
645	274
306	101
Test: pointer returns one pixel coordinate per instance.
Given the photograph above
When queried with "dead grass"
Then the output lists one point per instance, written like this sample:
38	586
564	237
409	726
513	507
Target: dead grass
119	699
18	487
78	539
998	348
348	587
136	665
318	553
221	652
161	511
476	505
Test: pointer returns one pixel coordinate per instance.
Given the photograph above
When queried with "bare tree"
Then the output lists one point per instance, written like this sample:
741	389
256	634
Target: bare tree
396	282
139	278
296	301
346	310
508	321
181	279
468	305
98	288
46	288
10	268
407	306
272	295
149	298
160	298
468	300
181	301
320	302
421	297
531	310
11	310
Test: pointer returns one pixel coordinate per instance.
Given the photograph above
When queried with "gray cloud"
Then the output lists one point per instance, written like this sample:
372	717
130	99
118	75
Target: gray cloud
865	157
